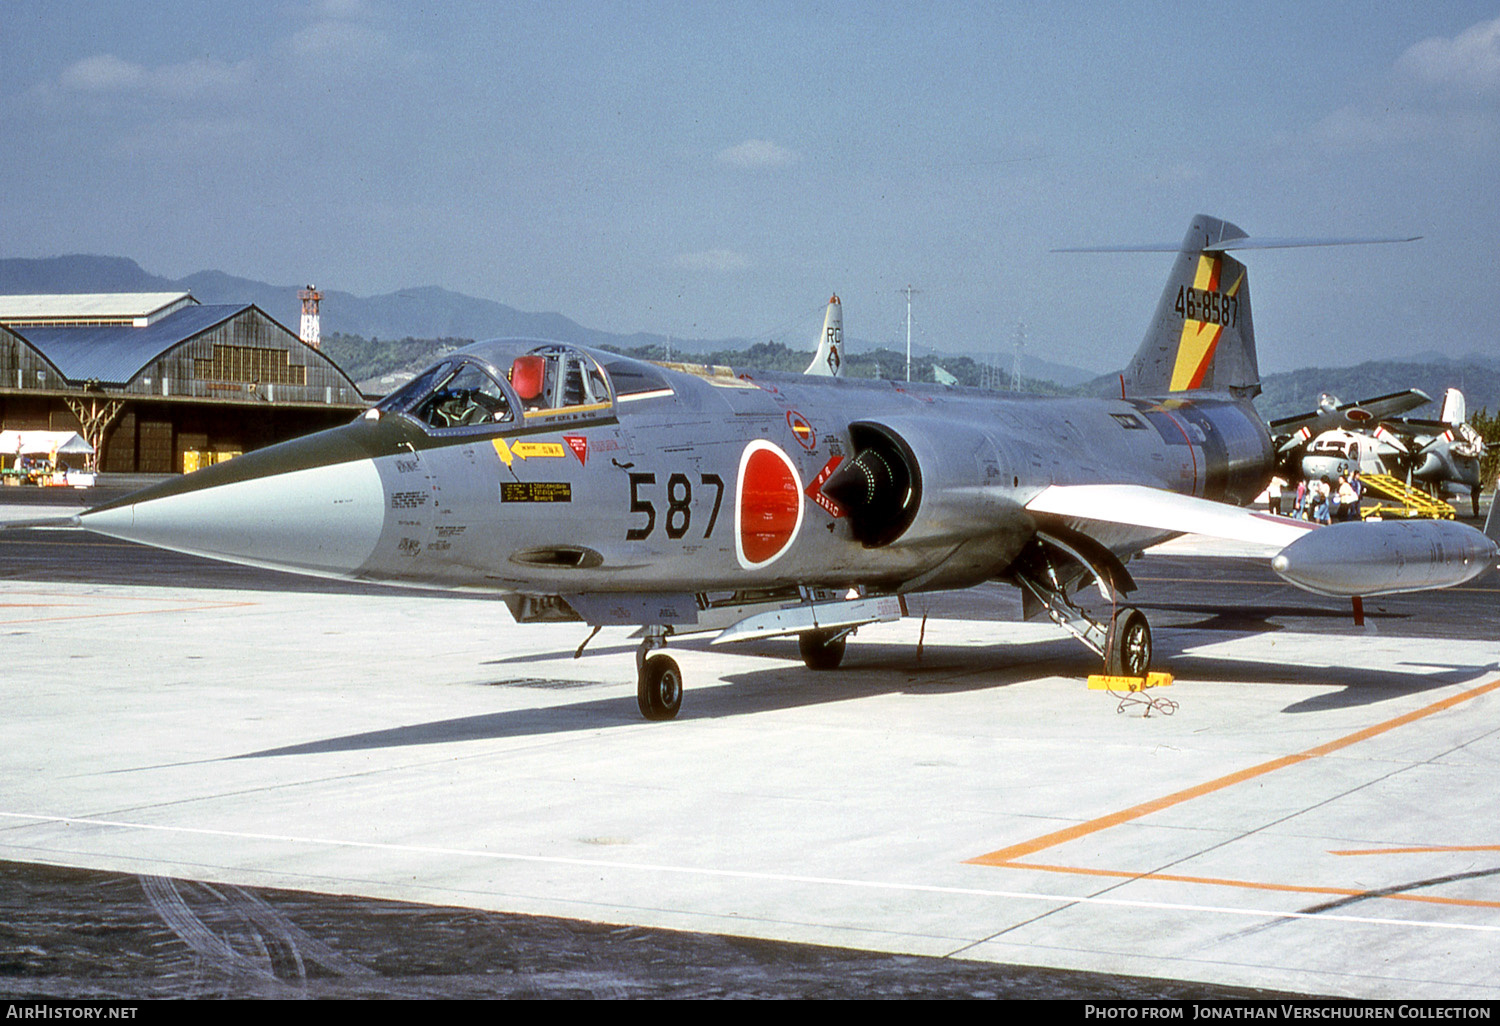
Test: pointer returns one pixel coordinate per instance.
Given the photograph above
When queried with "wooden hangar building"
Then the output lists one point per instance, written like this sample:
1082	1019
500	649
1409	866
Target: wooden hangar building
159	383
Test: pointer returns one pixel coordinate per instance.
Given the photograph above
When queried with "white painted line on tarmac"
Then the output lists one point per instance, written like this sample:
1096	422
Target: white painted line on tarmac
784	878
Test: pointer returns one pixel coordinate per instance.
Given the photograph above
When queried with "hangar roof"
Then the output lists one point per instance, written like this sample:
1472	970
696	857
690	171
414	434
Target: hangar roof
115	353
140	309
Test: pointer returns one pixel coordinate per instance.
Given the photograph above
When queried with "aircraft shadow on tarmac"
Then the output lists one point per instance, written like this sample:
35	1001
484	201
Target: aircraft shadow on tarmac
1266	619
877	670
881	670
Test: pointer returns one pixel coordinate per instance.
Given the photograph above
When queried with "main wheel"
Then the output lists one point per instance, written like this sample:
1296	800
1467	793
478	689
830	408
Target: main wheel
820	650
658	691
1128	650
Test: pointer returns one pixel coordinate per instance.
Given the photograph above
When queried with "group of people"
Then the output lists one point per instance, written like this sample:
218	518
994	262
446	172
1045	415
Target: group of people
1320	500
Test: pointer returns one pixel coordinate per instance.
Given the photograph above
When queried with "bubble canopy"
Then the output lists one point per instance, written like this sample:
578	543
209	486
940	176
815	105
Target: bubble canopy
510	382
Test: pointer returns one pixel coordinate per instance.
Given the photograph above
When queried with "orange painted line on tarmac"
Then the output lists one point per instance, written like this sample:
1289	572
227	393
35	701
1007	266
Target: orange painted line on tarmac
1093	826
1255	885
75	597
201	607
1425	849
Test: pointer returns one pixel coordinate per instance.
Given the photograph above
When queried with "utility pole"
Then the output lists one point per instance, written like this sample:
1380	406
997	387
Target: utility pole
909	291
1015	366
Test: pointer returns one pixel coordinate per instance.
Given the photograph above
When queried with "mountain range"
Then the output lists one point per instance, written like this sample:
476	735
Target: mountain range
430	312
425	312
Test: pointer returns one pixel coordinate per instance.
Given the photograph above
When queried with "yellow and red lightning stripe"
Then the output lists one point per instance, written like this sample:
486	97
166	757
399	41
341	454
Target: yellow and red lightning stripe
1195	350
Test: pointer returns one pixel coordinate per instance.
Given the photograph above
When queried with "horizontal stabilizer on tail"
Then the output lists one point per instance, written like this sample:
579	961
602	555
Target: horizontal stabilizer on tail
1241	242
1202	337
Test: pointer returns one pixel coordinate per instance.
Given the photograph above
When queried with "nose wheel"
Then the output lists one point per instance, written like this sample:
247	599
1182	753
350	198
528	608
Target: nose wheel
658	681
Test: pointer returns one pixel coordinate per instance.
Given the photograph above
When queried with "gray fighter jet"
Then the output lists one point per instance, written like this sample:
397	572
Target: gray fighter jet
585	486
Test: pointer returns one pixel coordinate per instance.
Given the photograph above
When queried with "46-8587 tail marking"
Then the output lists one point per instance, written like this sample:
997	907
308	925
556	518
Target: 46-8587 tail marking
1206	312
1221	308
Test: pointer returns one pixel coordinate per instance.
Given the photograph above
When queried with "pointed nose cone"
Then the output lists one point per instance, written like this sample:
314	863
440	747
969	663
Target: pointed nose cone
302	506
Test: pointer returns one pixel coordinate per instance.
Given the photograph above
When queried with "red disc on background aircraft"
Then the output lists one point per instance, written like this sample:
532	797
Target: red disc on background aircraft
802	431
770	504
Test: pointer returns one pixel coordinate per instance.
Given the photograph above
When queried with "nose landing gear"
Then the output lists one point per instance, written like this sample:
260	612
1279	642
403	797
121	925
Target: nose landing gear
658	680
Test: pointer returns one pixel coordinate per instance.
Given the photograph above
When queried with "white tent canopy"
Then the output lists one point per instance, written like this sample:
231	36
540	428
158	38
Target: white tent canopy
33	443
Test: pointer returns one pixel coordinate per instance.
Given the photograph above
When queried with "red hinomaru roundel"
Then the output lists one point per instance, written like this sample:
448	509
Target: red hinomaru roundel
769	511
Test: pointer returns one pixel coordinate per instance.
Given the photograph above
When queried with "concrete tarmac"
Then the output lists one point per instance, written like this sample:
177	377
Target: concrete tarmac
219	781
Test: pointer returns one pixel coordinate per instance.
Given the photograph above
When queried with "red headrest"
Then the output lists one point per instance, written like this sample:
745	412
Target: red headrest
526	376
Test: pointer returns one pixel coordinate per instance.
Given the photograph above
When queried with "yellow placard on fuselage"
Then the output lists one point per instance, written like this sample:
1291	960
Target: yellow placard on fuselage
528	450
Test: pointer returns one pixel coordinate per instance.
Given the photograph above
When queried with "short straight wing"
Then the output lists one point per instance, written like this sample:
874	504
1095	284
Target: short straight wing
1362	414
1140	506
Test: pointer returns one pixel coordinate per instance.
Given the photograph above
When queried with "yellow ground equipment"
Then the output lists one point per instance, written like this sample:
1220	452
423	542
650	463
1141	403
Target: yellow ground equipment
1414	503
1132	691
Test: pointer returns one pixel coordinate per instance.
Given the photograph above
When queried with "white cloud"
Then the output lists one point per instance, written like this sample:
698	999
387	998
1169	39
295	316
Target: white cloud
1470	61
107	73
343	8
721	260
339	40
1440	93
340	31
1357	129
757	153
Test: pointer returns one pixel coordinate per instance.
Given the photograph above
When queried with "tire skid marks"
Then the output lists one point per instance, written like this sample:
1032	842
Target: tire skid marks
248	936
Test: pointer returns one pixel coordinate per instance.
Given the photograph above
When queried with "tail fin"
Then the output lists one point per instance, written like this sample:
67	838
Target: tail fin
1202	336
829	359
1455	410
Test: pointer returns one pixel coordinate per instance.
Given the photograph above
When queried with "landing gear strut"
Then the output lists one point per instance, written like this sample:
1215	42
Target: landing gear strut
1124	642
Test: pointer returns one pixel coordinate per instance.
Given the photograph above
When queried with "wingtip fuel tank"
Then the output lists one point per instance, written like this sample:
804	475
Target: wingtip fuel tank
1387	557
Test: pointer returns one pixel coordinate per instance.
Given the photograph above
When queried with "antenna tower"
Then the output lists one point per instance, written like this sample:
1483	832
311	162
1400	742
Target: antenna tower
1015	365
312	329
908	292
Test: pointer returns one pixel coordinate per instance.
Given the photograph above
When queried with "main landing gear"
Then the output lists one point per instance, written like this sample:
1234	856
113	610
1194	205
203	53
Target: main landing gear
1124	642
658	678
1127	649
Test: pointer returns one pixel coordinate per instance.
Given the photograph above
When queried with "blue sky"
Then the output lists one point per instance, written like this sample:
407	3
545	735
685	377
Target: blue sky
716	170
